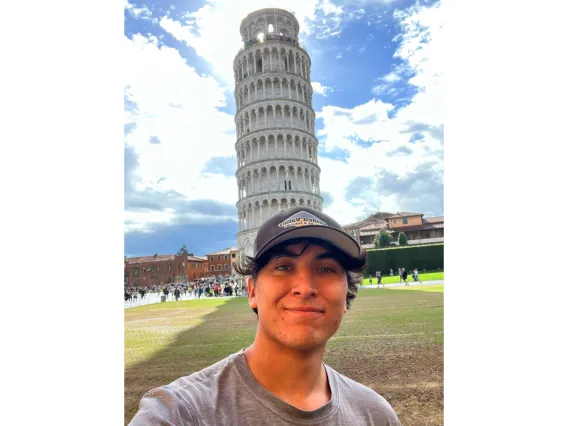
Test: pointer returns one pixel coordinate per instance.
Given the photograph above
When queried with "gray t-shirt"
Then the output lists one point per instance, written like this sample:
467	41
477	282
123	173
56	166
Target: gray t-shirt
227	393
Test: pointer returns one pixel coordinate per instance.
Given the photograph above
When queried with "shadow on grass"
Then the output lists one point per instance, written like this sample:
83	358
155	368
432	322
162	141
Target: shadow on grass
227	329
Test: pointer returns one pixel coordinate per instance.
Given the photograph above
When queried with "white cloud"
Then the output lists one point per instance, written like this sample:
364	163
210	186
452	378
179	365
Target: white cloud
391	77
385	87
138	12
181	109
339	56
421	47
417	176
320	88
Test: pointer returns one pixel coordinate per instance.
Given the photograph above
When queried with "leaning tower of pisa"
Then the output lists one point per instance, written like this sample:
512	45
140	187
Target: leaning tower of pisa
276	143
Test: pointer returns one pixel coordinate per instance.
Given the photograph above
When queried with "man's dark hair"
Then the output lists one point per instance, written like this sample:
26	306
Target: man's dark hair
353	266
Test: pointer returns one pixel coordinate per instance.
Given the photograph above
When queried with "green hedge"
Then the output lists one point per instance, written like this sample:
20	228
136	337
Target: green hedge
428	257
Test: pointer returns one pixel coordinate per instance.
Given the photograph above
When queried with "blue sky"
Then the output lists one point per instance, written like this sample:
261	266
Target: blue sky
377	80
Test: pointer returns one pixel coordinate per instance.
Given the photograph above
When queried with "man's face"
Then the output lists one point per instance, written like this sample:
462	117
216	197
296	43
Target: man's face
300	299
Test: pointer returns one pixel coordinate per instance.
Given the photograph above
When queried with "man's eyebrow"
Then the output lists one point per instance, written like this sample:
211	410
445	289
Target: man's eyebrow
327	255
284	254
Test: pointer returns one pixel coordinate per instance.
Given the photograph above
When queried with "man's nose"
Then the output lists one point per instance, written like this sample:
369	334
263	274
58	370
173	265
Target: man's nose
304	282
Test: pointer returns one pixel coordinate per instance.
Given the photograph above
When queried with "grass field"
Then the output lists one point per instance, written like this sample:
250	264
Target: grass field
390	340
387	279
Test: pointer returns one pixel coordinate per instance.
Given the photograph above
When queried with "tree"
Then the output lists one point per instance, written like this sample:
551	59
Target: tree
402	240
183	251
383	238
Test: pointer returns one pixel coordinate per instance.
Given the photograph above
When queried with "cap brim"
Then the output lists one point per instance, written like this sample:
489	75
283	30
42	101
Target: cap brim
335	237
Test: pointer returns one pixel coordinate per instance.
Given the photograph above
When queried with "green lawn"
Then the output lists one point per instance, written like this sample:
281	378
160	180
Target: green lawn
387	279
390	340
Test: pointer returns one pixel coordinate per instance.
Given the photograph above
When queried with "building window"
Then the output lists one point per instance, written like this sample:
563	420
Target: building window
158	269
226	257
233	255
405	221
212	268
394	221
219	267
136	271
170	267
218	257
211	259
226	267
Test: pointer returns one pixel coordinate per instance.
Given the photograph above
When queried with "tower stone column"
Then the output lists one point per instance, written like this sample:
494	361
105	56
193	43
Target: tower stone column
273	69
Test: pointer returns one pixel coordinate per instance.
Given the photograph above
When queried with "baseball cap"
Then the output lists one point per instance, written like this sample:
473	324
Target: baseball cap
303	222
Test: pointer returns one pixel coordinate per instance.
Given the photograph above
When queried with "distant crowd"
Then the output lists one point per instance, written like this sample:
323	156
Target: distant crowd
193	290
402	274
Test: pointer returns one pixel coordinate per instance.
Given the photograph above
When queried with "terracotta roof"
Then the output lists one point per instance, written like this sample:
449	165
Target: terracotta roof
195	259
148	259
374	218
405	214
433	219
424	227
377	226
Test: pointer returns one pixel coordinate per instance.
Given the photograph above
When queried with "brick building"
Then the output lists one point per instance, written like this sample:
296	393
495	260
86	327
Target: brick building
155	270
221	262
197	267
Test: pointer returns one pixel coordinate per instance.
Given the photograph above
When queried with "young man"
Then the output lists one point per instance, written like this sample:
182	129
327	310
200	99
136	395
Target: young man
404	276
379	279
302	279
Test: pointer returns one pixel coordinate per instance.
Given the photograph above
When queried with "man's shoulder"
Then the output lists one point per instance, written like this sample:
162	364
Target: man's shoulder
186	396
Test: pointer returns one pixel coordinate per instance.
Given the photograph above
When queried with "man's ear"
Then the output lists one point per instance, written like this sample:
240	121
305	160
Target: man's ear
251	293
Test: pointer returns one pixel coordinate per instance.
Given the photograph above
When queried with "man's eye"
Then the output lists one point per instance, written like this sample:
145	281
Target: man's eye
283	267
326	269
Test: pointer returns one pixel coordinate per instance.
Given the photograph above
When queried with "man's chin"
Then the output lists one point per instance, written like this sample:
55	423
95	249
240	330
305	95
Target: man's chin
305	343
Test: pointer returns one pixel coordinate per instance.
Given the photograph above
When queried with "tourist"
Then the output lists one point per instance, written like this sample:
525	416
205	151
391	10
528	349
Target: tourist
379	279
302	280
391	272
176	293
404	275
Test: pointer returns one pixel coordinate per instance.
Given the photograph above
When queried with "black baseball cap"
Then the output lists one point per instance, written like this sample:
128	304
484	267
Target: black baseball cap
303	222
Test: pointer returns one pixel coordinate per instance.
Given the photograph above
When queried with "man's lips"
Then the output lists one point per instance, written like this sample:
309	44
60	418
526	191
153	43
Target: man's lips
305	309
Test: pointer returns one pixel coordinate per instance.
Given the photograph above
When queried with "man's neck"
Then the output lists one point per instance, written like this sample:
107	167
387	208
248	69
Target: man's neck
296	377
